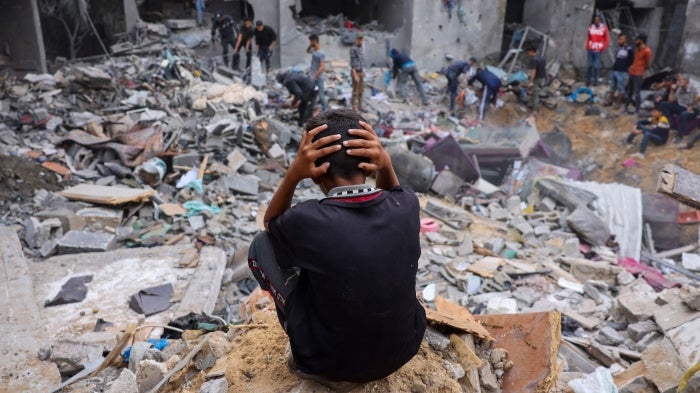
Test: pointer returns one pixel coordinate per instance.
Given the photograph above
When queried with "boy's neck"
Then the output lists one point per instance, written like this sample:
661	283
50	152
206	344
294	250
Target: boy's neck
328	183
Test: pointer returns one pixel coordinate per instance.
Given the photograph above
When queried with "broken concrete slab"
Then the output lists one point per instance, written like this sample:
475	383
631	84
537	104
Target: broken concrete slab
686	339
675	312
584	269
243	184
214	386
106	195
99	218
20	371
532	342
663	365
75	242
119	274
126	383
636	306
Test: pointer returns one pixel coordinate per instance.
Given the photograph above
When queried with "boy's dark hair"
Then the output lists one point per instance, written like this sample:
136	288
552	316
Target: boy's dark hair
313	37
259	23
658	108
532	48
339	121
247	19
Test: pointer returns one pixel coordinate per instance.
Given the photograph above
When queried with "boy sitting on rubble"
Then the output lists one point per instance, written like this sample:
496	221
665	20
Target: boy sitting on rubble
342	270
656	130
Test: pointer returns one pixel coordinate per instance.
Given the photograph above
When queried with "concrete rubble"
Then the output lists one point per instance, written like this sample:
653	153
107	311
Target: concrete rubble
176	162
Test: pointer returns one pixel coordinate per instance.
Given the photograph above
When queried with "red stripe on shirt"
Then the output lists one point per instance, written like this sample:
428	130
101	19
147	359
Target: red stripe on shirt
362	198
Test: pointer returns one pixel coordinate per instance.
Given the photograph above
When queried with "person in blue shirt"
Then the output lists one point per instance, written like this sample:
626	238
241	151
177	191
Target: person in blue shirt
453	72
403	68
490	85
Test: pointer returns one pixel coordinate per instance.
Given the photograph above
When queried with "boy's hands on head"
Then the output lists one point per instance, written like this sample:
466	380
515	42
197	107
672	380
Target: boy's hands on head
369	146
309	151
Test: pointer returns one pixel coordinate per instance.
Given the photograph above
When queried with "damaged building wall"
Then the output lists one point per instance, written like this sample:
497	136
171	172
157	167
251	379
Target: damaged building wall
470	29
690	49
566	22
20	35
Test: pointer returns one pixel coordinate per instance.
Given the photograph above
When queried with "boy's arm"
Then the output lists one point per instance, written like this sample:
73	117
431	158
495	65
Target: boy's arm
369	146
301	168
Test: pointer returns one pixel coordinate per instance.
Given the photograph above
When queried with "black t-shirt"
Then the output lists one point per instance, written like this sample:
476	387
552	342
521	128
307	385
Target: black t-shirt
246	33
265	36
354	315
538	63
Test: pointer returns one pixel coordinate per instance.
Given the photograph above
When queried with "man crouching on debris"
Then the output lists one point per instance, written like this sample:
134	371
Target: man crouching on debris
342	270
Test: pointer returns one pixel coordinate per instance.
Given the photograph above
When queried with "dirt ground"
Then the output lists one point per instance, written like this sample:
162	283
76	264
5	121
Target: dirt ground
257	363
19	177
601	140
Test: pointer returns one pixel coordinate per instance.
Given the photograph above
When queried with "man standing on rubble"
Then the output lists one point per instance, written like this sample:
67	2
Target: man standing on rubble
357	71
491	84
303	90
596	44
537	77
342	270
453	72
318	66
403	68
225	25
641	63
265	39
619	75
245	38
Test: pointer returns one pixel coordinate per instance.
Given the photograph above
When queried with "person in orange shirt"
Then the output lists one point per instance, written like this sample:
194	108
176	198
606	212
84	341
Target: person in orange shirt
597	43
641	63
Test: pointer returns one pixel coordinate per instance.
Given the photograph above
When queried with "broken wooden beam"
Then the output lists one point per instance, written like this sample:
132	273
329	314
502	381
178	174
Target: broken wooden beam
681	185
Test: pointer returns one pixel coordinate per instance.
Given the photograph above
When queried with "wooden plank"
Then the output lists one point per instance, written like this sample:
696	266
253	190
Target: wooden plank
106	195
532	342
631	374
679	184
449	315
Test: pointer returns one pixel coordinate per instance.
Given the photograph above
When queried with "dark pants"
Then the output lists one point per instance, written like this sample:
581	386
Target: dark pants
237	57
225	43
635	91
306	107
265	54
672	108
686	116
647	136
452	87
280	281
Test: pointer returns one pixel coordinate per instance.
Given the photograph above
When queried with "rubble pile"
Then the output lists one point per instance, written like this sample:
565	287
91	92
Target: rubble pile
162	170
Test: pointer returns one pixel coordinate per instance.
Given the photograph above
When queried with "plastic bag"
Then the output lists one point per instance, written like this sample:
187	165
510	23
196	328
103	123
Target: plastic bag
197	207
600	381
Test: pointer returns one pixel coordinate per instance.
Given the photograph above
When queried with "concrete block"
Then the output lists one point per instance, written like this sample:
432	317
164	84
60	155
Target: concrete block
446	183
691	297
276	152
527	295
542	230
501	305
571	247
609	336
236	159
547	204
513	204
625	278
70	357
215	386
675	312
148	374
647	341
98	218
435	339
638	330
686	339
75	242
243	184
188	159
126	383
584	269
499	214
196	222
454	369
37	232
663	365
636	306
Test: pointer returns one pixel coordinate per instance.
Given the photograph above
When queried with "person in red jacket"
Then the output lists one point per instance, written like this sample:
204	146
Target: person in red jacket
597	43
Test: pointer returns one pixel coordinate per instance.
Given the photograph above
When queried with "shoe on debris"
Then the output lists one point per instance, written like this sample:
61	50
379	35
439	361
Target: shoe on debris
638	155
336	386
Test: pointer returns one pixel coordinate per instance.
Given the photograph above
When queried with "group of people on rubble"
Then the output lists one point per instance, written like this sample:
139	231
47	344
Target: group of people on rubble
678	107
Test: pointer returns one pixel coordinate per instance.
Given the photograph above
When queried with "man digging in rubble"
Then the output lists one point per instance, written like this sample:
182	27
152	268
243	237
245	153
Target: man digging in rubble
303	90
245	38
404	68
452	74
224	24
342	269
